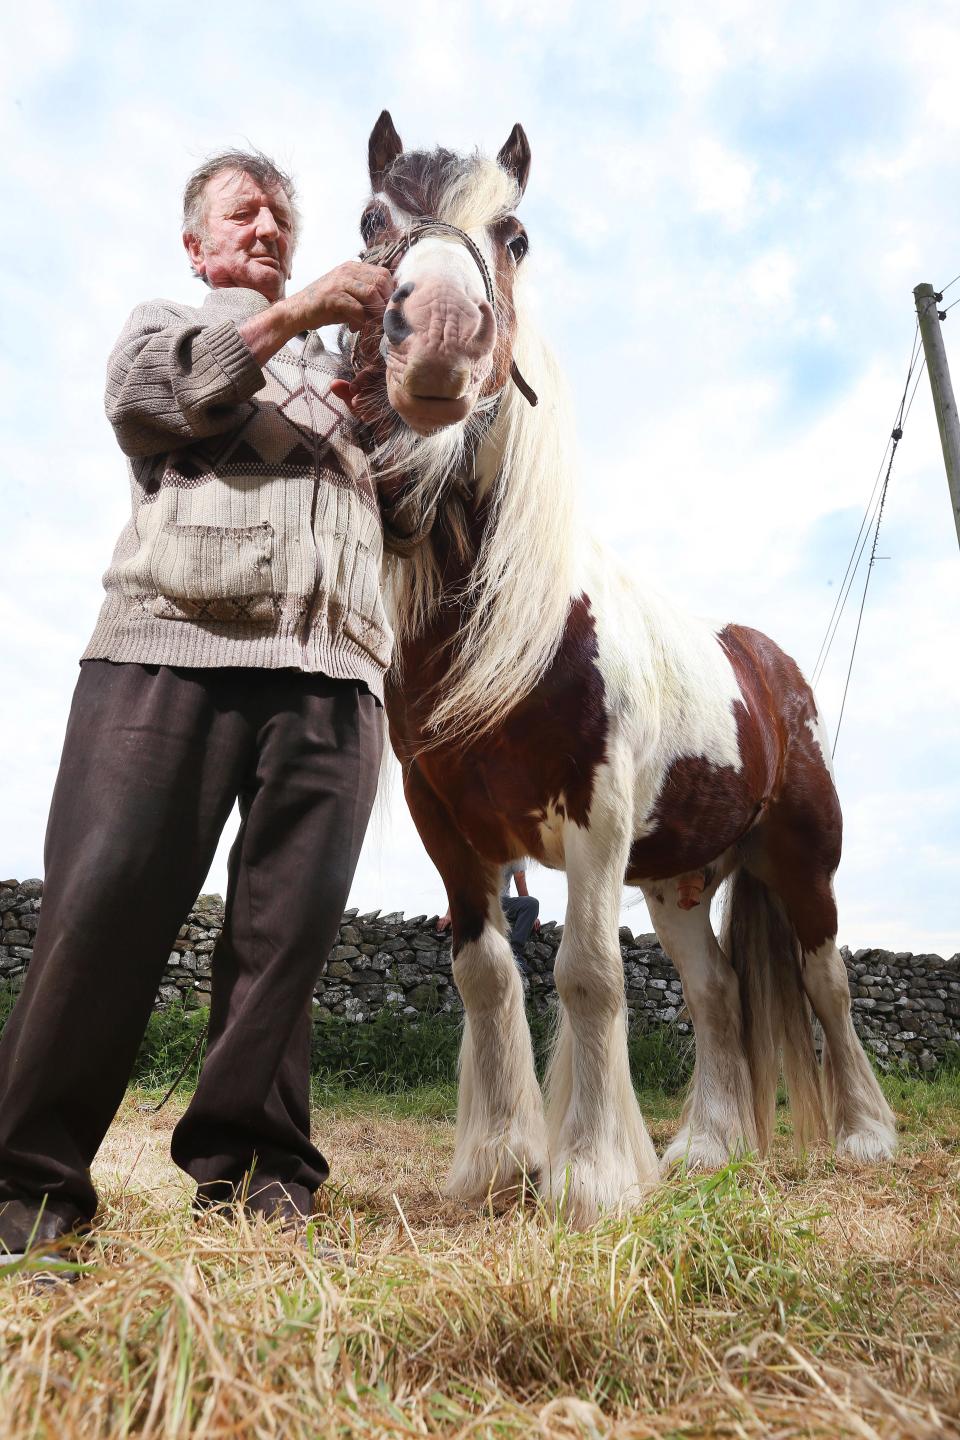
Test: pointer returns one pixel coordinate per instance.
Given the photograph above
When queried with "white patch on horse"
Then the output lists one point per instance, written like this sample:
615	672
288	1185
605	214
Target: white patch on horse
444	259
670	687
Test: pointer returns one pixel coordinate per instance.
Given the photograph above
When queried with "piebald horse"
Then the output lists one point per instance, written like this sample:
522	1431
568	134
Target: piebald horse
543	703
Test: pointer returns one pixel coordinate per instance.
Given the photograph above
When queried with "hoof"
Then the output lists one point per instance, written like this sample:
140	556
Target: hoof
494	1171
868	1146
697	1154
582	1190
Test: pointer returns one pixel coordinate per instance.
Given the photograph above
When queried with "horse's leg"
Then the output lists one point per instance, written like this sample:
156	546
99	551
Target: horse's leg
500	1128
796	852
600	1153
718	1118
863	1123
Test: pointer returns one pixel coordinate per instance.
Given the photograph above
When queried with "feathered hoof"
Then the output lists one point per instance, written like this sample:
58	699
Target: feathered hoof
581	1190
869	1145
697	1154
496	1170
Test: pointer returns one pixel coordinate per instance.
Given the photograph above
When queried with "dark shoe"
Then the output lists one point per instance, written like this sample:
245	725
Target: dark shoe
290	1205
287	1204
38	1227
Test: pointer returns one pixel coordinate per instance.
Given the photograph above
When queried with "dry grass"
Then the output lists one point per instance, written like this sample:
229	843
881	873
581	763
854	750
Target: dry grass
797	1299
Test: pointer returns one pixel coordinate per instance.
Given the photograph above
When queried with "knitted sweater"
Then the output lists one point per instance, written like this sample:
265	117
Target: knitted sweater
255	535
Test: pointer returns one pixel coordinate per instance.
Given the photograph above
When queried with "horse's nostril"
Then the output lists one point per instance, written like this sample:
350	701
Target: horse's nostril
401	293
395	326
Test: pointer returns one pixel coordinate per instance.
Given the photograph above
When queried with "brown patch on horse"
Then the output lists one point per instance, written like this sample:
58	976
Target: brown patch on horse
781	805
797	844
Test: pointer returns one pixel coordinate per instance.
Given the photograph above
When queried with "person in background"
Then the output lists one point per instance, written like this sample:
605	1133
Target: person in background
522	910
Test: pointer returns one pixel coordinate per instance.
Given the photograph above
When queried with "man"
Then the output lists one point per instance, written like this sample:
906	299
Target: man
521	911
239	655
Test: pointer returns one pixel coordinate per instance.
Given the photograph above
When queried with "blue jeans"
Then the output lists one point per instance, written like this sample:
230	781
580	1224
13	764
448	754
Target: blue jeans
521	911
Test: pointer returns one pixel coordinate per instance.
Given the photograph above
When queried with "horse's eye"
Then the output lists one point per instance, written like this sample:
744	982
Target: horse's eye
372	221
519	246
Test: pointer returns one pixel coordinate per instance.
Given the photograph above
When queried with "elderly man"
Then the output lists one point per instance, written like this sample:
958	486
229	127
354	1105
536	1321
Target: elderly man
239	655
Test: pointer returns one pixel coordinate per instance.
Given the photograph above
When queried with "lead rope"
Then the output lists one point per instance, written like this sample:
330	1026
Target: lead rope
155	1109
388	255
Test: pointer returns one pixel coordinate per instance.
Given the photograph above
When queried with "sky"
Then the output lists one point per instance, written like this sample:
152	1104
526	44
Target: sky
729	208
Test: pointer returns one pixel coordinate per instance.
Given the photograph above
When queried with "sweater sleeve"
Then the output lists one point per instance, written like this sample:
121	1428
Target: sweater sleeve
174	377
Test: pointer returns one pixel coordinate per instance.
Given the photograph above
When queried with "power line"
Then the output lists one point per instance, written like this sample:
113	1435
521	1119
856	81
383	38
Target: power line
866	586
866	523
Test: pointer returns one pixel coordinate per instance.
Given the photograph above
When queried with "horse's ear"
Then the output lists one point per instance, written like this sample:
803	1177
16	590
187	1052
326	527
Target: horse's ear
515	156
385	145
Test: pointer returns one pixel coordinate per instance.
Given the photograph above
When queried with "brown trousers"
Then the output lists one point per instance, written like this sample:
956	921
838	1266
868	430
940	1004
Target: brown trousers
152	763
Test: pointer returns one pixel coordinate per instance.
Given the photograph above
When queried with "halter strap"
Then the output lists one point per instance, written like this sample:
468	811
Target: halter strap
389	255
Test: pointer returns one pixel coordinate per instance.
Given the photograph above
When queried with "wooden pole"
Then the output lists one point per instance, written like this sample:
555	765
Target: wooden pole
943	402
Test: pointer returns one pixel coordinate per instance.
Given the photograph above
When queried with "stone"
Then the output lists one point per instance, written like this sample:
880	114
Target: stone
343	952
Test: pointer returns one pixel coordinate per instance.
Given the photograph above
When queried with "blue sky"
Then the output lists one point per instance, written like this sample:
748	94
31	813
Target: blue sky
729	208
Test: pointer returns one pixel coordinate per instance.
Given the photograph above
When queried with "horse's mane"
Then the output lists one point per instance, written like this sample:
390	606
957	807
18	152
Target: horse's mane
518	593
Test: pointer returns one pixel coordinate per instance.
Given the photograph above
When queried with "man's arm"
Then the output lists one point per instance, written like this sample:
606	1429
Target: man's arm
520	877
346	296
173	379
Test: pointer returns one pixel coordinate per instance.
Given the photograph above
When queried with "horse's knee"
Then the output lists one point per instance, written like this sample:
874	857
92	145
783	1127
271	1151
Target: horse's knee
484	971
826	983
590	985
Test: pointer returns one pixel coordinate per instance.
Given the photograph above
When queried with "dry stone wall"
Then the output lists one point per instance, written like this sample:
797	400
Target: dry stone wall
906	1007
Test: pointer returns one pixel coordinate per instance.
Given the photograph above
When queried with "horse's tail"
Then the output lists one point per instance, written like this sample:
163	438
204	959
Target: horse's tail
765	952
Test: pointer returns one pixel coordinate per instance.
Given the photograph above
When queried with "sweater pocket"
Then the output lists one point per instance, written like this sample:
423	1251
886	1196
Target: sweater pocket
210	572
364	620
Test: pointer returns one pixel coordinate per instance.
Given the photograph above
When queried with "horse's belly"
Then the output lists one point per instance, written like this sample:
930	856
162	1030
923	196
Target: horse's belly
700	812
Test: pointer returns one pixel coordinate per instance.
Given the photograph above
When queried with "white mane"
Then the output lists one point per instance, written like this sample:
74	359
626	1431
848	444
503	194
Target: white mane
519	588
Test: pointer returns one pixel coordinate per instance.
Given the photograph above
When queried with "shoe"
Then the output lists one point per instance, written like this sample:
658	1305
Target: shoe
289	1206
41	1227
284	1203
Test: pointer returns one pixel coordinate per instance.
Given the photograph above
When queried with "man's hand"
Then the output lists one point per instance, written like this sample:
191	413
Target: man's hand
444	923
348	295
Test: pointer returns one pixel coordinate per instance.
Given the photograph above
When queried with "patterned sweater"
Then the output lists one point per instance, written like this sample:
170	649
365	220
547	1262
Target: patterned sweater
255	535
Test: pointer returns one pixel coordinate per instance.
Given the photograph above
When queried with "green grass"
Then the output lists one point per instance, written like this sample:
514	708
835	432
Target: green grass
390	1055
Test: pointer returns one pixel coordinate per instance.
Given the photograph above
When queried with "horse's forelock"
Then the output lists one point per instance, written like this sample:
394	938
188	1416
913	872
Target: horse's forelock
468	191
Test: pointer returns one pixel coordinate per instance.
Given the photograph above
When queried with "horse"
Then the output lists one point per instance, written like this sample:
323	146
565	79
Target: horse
542	703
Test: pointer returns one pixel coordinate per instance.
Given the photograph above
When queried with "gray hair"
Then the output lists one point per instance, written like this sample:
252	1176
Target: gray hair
248	162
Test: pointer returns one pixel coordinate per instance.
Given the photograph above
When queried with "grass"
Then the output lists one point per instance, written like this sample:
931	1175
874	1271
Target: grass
391	1055
796	1298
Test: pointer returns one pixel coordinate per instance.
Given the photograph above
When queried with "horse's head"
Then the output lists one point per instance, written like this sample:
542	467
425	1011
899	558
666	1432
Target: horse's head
445	226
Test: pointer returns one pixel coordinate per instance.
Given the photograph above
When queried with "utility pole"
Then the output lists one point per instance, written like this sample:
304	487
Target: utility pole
943	402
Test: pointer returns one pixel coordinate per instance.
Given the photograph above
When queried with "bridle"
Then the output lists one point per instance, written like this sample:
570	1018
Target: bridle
390	255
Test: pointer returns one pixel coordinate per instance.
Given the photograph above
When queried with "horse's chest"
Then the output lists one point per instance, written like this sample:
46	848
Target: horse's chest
514	790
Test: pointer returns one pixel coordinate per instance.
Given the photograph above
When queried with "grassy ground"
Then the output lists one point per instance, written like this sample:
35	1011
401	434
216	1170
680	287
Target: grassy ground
791	1299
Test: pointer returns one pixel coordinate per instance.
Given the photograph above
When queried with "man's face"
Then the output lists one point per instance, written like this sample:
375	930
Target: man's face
248	236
